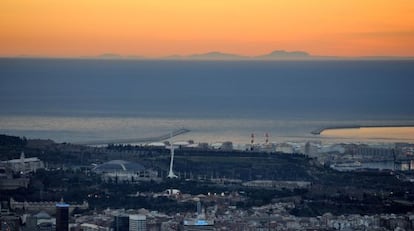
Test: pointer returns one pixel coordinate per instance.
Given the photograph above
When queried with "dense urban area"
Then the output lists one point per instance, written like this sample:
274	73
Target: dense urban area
46	185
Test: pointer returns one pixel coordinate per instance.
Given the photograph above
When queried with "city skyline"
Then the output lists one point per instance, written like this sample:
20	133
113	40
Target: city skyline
251	28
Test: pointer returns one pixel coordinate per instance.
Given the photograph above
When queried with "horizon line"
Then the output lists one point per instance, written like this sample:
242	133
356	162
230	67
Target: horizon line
217	55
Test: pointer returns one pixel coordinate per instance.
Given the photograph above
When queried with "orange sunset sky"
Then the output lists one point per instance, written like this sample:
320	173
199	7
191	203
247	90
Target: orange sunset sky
154	28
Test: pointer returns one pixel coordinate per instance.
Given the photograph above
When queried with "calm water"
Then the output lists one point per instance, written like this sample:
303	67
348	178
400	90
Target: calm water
76	100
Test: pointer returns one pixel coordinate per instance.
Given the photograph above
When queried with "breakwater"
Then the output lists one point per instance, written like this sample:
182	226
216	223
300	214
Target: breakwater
138	140
320	130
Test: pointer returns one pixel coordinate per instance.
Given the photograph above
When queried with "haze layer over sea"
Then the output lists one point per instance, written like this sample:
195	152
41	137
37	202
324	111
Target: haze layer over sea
73	100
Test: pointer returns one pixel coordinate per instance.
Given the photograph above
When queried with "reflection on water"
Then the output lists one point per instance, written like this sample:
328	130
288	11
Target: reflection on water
375	133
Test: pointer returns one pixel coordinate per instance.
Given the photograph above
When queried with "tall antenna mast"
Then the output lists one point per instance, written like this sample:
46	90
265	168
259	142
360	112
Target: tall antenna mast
171	173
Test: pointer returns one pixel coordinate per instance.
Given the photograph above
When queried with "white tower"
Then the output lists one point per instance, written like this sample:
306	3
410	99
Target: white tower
171	173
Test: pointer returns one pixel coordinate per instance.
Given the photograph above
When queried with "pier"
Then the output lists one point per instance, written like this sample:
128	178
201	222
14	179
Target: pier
320	130
137	140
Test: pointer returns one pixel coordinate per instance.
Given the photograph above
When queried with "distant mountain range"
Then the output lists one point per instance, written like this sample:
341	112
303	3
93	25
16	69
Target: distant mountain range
279	54
216	55
274	55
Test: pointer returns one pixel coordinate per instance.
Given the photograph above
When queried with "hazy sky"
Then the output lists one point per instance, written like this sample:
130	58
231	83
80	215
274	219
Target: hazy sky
166	27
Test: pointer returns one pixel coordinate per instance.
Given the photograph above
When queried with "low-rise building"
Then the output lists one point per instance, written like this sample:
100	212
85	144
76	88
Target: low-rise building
8	182
46	206
24	165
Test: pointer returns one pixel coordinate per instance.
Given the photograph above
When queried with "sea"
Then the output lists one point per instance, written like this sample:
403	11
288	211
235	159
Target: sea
80	100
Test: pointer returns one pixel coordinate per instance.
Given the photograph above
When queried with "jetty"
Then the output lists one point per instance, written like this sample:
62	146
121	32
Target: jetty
137	140
320	130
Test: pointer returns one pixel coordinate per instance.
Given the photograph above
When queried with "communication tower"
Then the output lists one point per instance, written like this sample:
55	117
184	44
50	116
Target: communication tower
171	173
